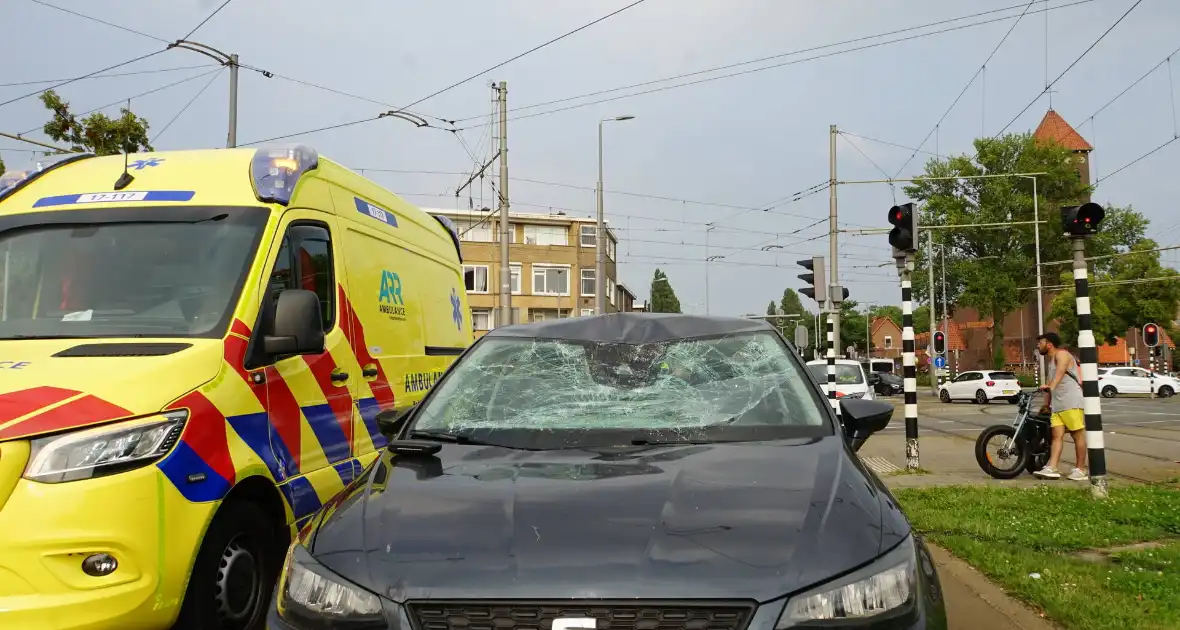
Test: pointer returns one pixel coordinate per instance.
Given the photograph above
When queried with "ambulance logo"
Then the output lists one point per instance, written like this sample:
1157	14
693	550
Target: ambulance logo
390	300
456	310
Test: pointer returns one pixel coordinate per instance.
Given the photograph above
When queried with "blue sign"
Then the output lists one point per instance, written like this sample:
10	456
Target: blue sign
940	362
116	197
370	210
139	165
456	310
1136	361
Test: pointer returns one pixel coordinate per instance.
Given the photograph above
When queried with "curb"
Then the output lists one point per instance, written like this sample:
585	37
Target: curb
959	576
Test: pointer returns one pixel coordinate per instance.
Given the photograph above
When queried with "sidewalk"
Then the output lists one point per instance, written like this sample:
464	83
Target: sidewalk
974	603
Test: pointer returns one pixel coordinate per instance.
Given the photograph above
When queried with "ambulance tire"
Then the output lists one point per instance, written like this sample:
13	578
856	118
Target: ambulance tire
235	572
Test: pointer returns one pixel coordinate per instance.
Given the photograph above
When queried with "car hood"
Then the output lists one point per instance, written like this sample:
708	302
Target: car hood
749	520
55	385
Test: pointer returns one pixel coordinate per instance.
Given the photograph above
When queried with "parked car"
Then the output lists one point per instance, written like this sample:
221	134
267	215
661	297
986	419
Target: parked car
1133	380
982	387
851	381
625	471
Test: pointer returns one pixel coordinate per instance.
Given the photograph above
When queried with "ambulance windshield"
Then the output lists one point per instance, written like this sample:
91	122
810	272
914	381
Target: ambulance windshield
124	279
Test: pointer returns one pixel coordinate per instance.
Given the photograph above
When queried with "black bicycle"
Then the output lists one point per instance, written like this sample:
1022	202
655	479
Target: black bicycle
1020	446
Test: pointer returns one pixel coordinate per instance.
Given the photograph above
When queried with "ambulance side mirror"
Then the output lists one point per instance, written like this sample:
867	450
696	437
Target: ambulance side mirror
298	327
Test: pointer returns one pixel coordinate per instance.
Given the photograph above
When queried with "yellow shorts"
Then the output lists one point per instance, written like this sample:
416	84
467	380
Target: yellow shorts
1071	419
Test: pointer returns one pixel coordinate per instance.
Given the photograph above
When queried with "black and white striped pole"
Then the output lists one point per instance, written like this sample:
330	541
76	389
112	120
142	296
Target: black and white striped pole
909	364
1081	222
904	239
835	402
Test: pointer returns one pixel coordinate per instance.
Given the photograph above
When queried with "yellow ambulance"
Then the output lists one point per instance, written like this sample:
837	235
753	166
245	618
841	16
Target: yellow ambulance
194	347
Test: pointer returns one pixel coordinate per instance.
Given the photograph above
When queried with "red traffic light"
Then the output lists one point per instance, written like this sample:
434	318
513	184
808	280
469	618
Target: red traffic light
1151	329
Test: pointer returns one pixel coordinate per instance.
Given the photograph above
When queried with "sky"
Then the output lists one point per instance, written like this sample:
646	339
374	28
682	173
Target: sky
717	152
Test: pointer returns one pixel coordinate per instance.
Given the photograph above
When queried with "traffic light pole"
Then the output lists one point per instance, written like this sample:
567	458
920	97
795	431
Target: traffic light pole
933	312
833	231
1091	402
909	369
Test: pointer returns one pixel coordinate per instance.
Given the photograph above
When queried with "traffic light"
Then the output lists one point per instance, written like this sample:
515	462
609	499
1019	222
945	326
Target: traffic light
1082	221
817	278
904	235
839	294
939	342
1151	335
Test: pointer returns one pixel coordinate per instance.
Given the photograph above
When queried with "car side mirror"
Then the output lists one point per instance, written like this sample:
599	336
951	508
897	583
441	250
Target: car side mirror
297	326
392	421
863	418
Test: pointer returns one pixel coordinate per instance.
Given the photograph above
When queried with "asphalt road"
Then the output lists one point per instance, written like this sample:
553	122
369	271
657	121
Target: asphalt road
1142	434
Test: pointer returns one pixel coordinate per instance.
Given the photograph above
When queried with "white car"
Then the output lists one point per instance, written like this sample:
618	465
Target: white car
850	378
981	386
1133	380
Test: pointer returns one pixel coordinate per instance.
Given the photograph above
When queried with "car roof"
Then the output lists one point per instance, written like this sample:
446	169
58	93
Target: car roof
838	362
633	328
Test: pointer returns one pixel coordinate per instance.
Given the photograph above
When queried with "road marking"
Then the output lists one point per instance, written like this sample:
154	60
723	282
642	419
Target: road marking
880	465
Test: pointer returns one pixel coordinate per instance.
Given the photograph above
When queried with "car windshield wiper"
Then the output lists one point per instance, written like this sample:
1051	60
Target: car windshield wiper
669	441
443	436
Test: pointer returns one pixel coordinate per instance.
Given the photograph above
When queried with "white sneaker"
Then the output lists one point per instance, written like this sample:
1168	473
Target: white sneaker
1048	473
1078	474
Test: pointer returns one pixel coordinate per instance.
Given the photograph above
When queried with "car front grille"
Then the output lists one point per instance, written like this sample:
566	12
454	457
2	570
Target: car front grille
623	615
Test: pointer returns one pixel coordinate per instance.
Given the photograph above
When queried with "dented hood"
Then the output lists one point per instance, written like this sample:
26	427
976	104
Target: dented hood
53	385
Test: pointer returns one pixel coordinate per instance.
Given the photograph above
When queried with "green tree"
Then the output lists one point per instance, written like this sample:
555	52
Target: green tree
1142	290
992	269
96	133
663	297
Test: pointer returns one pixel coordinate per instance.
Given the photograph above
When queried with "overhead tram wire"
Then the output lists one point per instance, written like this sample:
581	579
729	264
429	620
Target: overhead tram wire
113	76
1067	69
753	70
701	81
1129	87
141	94
523	54
100	21
187	105
206	20
965	88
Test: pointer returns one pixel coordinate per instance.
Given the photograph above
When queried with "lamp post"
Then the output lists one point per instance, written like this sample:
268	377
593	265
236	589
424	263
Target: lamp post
600	242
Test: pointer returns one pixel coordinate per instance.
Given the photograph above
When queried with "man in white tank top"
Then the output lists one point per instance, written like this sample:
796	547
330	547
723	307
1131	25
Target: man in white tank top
1063	393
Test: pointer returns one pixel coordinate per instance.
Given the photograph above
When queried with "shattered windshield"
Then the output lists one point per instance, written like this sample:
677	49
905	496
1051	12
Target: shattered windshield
736	381
845	374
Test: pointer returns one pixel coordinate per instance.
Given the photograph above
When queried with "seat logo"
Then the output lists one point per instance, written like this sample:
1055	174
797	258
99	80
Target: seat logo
575	623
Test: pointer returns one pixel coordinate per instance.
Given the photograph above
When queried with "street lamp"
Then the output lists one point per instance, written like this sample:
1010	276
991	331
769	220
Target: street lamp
600	243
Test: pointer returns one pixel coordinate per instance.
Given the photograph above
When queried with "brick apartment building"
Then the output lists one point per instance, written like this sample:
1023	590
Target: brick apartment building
552	258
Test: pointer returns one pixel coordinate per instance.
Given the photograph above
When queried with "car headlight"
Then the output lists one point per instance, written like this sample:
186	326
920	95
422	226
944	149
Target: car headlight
886	588
313	598
104	450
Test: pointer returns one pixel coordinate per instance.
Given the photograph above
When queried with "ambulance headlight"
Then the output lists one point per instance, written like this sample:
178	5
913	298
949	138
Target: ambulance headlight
276	170
104	450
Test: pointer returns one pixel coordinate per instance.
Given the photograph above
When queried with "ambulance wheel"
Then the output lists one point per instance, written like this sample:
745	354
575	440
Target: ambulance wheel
234	573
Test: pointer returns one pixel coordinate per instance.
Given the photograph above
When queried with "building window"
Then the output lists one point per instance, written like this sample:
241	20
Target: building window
589	235
888	342
611	287
587	312
481	319
551	280
475	278
610	248
546	235
515	269
475	231
511	232
587	283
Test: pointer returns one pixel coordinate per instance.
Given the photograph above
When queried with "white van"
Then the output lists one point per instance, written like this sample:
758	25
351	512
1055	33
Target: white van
850	378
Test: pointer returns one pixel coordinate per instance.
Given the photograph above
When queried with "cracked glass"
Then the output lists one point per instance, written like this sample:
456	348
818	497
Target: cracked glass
714	388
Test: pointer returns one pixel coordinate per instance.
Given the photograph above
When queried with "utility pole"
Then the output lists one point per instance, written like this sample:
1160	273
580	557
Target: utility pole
505	268
946	309
602	240
933	310
833	230
233	102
